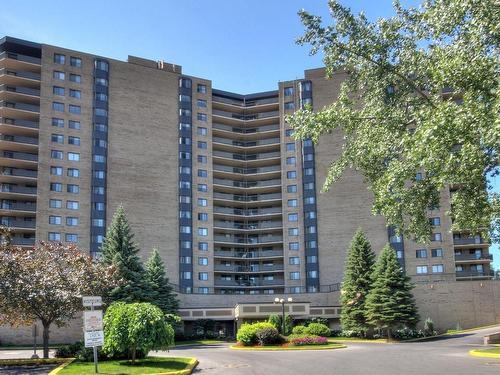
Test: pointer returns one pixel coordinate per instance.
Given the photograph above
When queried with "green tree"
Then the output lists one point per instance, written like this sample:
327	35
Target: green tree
420	96
120	251
357	283
135	327
161	291
276	321
390	303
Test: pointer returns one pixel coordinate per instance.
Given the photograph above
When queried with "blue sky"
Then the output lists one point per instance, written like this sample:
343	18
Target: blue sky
242	46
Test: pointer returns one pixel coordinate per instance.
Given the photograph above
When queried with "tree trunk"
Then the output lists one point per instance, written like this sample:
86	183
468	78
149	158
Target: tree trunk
389	334
46	326
133	354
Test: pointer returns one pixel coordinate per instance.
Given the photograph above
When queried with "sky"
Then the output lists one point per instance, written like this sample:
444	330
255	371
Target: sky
242	46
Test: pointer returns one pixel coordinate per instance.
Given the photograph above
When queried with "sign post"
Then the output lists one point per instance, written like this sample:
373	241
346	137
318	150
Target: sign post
94	334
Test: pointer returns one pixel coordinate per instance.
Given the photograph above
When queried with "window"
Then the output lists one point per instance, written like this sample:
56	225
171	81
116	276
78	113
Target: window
291	175
72	221
56	186
55	220
186	260
99	206
310	214
203	232
312	274
55	203
309	200
291	161
308	143
185	229
288	91
202	216
203	188
57	138
75	109
202	131
202	173
57	122
59	107
100	143
435	221
56	90
185	82
184	199
98	223
293	217
101	65
59	75
100	175
184	126
422	253
54	236
294	260
418	176
77	94
309	186
74	141
185	214
421	269
308	171
202	159
99	96
294	275
202	145
289	132
292	203
201	89
396	239
74	189
74	124
311	229
77	78
203	261
311	244
184	140
290	146
312	259
101	127
399	254
437	253
75	61
56	154
184	155
99	190
185	98
99	158
185	244
56	171
289	105
293	246
437	268
71	237
436	237
291	189
72	205
185	112
293	231
203	246
201	103
73	156
203	276
184	185
202	290
202	117
59	59
308	157
98	239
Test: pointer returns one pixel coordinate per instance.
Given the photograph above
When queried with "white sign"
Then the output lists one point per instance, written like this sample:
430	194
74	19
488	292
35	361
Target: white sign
92	320
95	338
92	301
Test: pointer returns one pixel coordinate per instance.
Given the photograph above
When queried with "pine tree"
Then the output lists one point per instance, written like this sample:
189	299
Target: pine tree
161	292
390	302
120	251
356	284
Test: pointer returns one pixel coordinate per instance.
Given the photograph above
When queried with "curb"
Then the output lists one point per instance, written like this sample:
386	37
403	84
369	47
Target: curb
477	353
29	361
61	366
299	348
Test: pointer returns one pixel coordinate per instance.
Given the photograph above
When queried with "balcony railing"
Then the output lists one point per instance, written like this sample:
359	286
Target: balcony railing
16	206
20	57
20	106
234	129
247	198
18	172
247	212
18	122
20	90
245	103
18	223
248	254
21	241
226	168
466	257
249	283
247	240
468	241
247	184
260	142
7	188
249	268
472	274
19	139
19	155
246	157
248	226
20	73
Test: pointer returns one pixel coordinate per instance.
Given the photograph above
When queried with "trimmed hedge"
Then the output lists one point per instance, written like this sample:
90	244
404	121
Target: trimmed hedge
299	330
247	334
309	340
318	329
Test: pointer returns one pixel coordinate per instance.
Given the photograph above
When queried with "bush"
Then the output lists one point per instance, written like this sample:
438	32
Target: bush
318	329
69	351
316	320
268	336
429	327
299	330
276	321
247	334
407	333
308	340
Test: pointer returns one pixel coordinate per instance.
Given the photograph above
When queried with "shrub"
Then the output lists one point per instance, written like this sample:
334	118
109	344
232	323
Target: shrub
407	333
299	330
268	336
247	334
318	329
69	351
276	321
308	340
429	327
316	320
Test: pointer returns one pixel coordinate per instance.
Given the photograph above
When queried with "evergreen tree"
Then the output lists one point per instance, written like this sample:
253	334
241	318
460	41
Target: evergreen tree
120	251
356	284
161	292
390	302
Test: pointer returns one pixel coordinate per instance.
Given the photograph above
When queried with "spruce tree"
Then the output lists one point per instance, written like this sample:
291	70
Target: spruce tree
390	303
356	284
162	294
120	251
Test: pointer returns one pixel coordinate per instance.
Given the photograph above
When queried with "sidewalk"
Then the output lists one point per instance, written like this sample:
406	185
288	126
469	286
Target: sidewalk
23	353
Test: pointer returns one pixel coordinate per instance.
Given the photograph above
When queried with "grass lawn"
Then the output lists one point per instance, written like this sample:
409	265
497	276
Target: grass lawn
290	347
149	365
488	353
355	339
198	342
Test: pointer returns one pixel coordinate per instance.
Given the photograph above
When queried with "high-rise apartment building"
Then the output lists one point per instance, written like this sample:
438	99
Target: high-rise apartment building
212	179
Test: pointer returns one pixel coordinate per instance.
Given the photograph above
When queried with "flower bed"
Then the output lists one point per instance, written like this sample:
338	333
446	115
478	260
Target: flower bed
309	340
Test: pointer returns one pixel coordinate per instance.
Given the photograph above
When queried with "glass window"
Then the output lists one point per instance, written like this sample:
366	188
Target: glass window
437	253
99	206
312	274
185	214
202	131
202	290
421	253
72	205
201	89
309	186
98	223
100	143
99	190
288	91
436	237
74	189
99	96
56	154
77	94
184	199
185	229
99	158
55	220
202	202
292	203
435	221
74	124
203	246
56	171
73	156
290	146
185	112
294	275
71	237
184	155
310	214
100	175
186	260
57	122
56	186
74	141
185	244
308	171
308	157
293	231
203	276
59	59
308	143
311	229
56	90
294	260
184	185
101	65
202	159
185	82
184	140
289	132
291	188
203	232
71	221
293	217
76	78
311	244
75	61
55	203
75	109
57	138
437	268
101	127
312	259
54	236
291	160
59	107
293	246
203	187
59	75
202	216
202	117
201	103
291	175
289	105
202	173
202	145
421	269
203	261
184	126
185	98
309	200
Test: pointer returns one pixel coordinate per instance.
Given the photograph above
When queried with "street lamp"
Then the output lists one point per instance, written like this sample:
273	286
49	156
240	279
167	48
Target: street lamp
282	302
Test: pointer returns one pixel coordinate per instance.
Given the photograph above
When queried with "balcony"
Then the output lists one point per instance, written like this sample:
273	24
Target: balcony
24	94
248	254
272	184
17	190
249	173
21	241
18	206
262	225
245	103
17	57
249	283
18	143
18	225
251	212
15	77
18	126
475	274
481	258
468	241
21	160
246	144
248	268
12	105
245	133
252	198
246	240
15	175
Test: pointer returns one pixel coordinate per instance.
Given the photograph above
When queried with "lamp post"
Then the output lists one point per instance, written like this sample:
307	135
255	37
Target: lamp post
282	302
